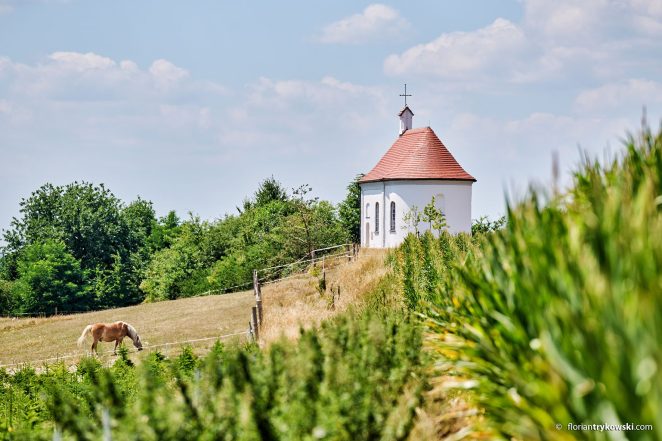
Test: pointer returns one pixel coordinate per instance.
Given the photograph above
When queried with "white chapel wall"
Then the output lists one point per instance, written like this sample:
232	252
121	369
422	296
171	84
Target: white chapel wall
455	202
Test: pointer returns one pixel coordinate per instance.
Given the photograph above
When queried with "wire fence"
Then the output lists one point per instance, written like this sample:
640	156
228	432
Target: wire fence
294	269
266	275
146	347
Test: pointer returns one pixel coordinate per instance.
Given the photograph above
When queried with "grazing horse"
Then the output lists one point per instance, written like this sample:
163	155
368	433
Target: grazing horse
109	332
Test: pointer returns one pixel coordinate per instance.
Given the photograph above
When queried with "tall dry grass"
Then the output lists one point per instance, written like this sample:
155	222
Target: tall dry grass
297	303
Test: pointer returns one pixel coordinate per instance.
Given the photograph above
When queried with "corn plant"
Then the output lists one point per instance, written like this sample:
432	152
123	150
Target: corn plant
556	318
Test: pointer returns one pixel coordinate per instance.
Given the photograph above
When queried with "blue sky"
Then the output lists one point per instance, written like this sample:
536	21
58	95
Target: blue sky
191	104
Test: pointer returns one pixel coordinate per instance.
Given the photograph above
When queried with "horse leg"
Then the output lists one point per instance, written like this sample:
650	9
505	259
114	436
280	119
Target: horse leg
94	346
117	342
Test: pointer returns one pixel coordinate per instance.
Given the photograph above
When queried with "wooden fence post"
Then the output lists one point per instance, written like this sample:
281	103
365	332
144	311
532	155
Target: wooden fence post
254	323
251	333
312	255
258	305
258	298
256	286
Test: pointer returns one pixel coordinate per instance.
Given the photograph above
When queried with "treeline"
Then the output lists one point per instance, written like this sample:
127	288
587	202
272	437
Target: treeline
554	318
78	247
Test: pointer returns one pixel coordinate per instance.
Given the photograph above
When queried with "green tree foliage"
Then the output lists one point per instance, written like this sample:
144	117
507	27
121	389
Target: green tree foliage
106	239
50	277
175	267
164	232
412	219
554	317
433	216
272	229
126	255
349	210
8	301
268	191
86	218
484	225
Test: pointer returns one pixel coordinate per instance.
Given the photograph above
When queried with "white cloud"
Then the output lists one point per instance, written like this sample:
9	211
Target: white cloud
82	62
555	41
592	20
510	154
90	98
456	54
276	112
329	92
73	76
166	74
376	21
632	94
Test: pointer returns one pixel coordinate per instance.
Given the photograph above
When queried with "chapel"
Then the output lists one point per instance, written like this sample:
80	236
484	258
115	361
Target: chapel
416	168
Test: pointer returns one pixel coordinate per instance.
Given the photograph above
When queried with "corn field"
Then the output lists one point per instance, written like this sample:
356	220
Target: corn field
555	321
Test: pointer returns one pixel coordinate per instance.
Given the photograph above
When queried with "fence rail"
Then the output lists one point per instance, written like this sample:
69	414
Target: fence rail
256	320
145	347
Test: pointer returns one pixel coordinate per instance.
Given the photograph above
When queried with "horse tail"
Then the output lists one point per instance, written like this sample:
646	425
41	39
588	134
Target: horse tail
81	339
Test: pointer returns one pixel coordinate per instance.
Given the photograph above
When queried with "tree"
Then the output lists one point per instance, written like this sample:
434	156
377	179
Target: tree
349	210
85	217
169	273
164	232
412	219
107	239
7	297
141	220
433	216
270	190
483	225
50	277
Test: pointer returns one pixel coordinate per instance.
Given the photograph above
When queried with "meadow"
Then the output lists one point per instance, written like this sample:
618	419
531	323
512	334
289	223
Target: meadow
355	373
537	329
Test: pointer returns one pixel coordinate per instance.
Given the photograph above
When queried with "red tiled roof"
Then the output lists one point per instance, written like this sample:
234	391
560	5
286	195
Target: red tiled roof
417	154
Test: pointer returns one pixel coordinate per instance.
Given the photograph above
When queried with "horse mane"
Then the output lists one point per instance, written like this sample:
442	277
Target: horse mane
131	331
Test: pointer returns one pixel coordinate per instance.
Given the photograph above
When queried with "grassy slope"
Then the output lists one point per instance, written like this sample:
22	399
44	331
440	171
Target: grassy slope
287	304
157	323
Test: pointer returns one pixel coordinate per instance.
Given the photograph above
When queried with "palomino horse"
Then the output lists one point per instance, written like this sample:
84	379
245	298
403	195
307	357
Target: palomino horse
109	332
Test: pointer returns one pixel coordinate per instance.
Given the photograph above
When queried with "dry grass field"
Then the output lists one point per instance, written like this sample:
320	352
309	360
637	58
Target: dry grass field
30	339
288	304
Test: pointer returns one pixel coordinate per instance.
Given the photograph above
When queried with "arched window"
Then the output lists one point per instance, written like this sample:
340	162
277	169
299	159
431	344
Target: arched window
367	211
376	217
392	217
440	203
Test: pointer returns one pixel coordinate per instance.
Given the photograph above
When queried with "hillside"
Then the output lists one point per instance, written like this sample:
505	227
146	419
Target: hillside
288	304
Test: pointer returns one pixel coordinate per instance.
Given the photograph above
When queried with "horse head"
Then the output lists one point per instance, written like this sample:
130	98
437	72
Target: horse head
133	335
137	343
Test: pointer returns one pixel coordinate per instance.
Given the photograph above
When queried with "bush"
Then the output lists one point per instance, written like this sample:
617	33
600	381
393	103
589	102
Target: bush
359	376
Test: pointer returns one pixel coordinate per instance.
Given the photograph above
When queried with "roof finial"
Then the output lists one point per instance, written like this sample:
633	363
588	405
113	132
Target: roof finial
405	95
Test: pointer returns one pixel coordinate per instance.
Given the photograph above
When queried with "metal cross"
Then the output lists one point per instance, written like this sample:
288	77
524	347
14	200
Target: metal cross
405	95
